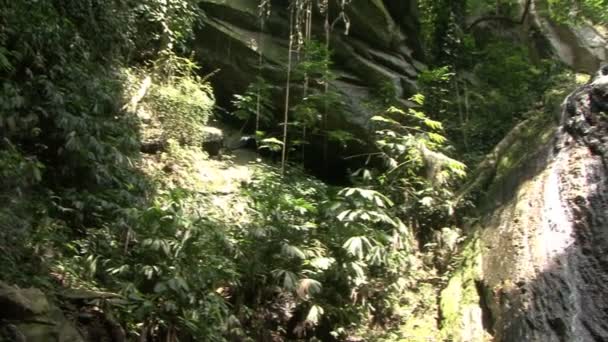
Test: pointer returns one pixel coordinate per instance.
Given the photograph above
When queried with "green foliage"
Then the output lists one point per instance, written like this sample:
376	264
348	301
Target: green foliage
167	24
441	28
575	11
281	247
68	150
60	99
317	245
418	172
17	171
171	266
312	109
478	79
518	74
183	101
315	63
272	144
256	100
498	85
319	104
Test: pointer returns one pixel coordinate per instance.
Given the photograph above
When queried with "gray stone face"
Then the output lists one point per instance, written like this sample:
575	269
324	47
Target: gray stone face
582	47
20	303
544	247
34	318
541	244
381	48
213	140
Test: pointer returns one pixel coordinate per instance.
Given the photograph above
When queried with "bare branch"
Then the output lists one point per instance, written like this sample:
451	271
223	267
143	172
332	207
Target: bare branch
502	18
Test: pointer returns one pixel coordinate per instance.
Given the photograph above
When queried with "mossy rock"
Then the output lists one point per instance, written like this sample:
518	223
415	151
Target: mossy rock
33	318
460	303
19	303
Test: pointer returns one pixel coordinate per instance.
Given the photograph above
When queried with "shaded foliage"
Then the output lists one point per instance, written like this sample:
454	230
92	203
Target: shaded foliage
309	261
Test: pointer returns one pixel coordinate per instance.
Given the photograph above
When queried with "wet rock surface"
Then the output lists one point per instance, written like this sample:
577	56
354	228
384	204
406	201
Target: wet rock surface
545	249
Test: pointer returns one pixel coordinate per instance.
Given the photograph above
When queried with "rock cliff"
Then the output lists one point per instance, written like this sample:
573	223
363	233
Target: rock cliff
582	47
382	48
537	269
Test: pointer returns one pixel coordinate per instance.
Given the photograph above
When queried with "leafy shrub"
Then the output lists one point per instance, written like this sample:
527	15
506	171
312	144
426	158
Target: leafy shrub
17	171
184	105
171	268
255	104
280	247
181	101
334	254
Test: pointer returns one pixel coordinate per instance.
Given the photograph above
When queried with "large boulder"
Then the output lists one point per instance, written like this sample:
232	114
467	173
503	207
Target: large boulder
583	47
213	140
27	316
538	270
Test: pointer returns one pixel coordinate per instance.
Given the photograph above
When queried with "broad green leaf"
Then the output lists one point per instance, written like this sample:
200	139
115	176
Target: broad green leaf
342	216
379	118
308	287
418	99
436	125
356	246
290	279
376	256
314	314
272	141
417	113
322	263
394	110
292	251
358	268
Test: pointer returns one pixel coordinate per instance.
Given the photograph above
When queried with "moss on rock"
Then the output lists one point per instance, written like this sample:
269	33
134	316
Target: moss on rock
460	307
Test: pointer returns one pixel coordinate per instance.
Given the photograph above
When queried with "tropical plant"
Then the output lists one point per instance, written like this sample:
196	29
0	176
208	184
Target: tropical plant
255	105
183	100
576	11
170	269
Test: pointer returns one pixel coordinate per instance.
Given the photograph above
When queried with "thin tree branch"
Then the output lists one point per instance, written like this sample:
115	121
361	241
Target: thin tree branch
502	18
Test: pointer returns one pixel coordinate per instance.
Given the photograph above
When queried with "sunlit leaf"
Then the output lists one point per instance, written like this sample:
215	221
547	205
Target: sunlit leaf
308	287
383	119
394	110
314	314
292	251
322	263
437	138
427	201
355	246
436	125
418	99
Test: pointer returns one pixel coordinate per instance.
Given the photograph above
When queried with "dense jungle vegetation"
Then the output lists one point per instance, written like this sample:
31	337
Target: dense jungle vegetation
86	86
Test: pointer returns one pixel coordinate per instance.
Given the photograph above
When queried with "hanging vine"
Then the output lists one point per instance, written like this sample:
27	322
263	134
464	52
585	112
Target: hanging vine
301	48
264	9
288	86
